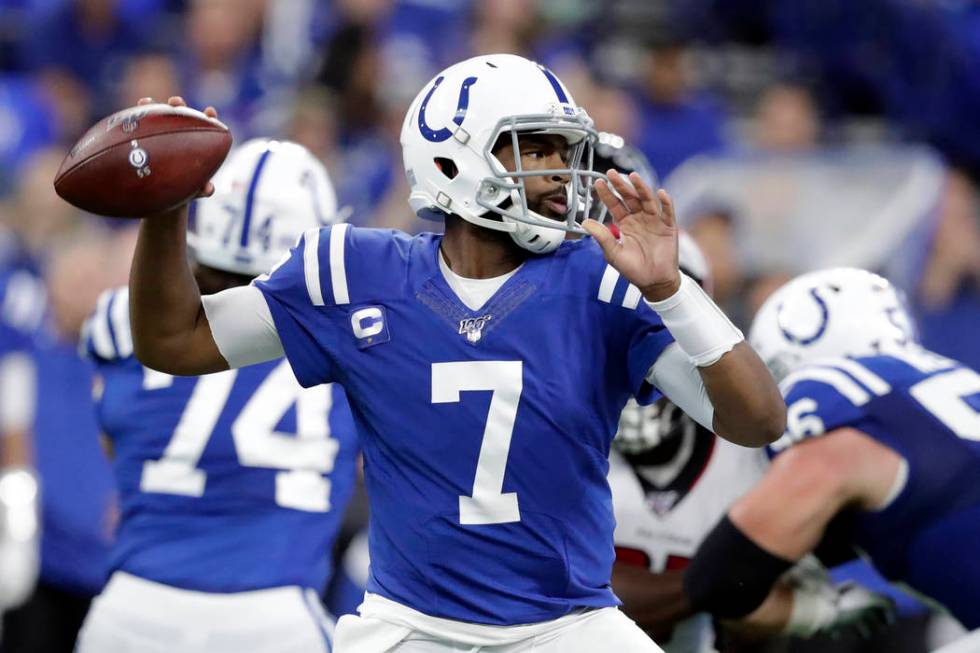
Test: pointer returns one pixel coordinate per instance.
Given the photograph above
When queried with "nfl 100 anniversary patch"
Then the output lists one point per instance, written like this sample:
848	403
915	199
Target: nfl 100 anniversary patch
370	326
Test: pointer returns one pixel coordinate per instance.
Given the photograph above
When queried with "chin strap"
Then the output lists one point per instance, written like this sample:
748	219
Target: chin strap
540	240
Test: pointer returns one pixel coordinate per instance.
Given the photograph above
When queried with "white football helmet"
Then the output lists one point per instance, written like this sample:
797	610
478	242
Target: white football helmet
829	314
266	195
451	128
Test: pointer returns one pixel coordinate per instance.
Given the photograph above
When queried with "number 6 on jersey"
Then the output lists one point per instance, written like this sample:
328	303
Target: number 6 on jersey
488	503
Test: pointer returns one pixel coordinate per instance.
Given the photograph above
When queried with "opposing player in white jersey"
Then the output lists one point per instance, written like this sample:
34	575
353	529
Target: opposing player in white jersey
233	485
486	367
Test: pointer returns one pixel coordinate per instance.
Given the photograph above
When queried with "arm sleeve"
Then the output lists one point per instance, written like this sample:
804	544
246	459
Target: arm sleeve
648	341
18	393
678	378
242	326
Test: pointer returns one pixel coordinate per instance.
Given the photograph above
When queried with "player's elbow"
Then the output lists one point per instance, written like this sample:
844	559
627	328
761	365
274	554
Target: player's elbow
165	355
756	425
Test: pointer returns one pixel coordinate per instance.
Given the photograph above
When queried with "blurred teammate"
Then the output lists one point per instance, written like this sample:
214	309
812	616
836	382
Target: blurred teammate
232	485
22	307
486	368
879	429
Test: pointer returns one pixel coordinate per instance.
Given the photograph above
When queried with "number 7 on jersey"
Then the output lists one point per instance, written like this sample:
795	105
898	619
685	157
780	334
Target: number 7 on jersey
488	504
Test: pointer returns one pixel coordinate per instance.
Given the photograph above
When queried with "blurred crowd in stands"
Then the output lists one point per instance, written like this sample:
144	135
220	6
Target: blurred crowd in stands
794	134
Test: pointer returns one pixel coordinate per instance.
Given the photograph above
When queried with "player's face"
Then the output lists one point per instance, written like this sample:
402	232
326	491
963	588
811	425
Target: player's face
546	194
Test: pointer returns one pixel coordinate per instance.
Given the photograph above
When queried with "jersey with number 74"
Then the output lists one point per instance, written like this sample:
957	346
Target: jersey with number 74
927	409
227	482
485	432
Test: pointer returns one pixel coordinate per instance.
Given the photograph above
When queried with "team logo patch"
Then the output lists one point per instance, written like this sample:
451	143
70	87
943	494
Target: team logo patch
139	159
472	327
370	326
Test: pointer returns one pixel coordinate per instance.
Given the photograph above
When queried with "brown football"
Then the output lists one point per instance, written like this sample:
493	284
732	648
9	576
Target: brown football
143	161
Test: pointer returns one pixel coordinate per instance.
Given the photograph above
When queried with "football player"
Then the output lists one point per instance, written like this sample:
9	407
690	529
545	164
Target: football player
486	368
22	307
232	485
879	430
672	480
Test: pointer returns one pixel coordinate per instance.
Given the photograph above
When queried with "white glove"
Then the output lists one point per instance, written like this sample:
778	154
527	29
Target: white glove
19	536
821	607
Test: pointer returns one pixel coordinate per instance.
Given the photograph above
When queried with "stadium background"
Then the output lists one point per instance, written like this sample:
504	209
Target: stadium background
794	134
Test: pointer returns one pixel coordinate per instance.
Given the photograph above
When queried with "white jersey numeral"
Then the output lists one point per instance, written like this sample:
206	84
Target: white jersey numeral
488	504
943	396
304	457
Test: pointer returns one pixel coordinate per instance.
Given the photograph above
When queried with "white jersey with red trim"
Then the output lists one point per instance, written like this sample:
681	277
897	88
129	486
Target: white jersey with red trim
668	499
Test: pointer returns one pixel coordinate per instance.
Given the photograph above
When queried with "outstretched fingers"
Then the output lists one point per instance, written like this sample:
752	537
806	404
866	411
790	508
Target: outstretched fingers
667	202
625	190
647	199
617	209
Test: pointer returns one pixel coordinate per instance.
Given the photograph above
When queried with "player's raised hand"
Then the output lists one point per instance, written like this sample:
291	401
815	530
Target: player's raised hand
646	251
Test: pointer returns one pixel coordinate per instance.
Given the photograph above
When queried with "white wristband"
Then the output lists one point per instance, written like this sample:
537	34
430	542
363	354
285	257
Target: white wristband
701	329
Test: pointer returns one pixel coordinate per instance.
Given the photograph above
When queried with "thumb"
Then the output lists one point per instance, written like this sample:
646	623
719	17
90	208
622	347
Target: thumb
603	236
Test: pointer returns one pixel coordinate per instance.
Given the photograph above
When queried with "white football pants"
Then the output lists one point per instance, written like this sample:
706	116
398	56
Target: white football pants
387	628
136	615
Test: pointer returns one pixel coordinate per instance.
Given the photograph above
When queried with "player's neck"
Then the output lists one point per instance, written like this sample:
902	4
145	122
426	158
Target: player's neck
477	253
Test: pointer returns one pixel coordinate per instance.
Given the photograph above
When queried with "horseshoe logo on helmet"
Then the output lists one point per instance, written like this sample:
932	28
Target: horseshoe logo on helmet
821	328
440	135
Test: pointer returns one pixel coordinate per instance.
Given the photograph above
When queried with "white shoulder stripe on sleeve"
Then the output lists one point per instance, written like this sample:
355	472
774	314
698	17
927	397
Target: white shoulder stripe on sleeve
311	265
864	376
101	338
119	316
338	271
632	298
835	378
608	284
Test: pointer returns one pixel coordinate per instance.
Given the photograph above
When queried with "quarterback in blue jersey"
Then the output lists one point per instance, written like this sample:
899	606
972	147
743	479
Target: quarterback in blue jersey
233	485
486	368
879	430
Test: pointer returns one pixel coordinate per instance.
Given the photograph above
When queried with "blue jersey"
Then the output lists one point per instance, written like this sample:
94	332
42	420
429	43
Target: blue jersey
927	409
23	306
227	482
486	433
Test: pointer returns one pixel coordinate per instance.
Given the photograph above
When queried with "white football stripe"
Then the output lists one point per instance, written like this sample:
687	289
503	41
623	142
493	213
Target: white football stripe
101	338
865	377
311	265
832	377
632	298
120	323
609	278
338	273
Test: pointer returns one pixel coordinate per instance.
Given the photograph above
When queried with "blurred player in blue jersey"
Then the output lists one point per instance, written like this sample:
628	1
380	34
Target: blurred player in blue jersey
22	307
879	430
232	485
486	368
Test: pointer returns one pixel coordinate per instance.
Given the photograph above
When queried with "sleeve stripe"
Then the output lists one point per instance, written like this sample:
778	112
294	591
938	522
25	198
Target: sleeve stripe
101	338
338	272
311	265
864	376
608	284
632	298
120	323
835	378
